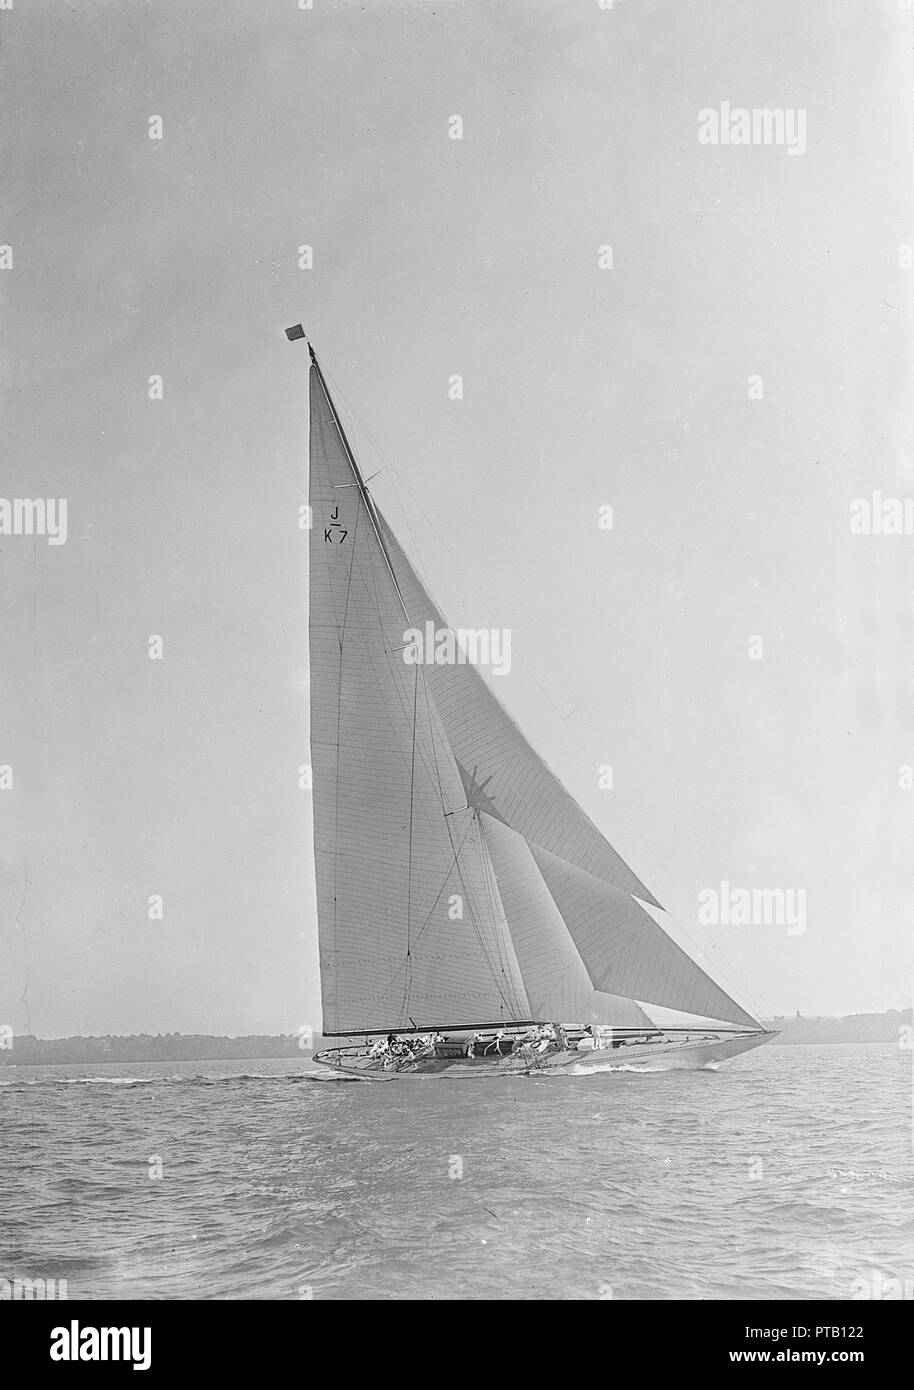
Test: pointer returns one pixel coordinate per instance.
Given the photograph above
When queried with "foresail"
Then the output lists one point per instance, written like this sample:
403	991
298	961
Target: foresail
502	773
555	977
411	929
612	1010
626	951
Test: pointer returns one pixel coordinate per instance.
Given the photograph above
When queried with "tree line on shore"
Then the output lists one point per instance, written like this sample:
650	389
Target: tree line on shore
153	1047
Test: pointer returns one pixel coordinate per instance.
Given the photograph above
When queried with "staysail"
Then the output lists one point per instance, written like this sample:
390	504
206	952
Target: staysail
458	883
553	970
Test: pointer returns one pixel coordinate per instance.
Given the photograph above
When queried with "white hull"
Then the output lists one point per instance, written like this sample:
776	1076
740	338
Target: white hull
649	1056
687	1056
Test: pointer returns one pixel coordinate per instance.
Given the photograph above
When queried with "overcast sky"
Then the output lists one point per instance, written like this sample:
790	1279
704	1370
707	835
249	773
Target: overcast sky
583	387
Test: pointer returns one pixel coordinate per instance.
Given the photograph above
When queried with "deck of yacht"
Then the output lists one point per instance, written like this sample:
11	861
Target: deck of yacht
663	1053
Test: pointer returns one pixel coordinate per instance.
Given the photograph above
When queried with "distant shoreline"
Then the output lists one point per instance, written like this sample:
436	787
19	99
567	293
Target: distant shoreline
853	1028
155	1047
203	1047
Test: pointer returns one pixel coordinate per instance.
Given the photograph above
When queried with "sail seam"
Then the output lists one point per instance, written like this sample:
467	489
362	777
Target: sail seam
389	986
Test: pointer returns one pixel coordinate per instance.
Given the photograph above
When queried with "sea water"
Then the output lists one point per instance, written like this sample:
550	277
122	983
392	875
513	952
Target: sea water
785	1173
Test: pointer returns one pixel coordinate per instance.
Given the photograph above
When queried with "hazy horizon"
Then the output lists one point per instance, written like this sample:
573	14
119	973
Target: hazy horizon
62	1037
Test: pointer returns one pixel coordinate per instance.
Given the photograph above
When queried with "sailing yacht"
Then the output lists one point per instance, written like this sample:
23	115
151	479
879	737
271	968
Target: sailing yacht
472	920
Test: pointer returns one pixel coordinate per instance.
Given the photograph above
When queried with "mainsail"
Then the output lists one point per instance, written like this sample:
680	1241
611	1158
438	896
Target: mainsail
458	883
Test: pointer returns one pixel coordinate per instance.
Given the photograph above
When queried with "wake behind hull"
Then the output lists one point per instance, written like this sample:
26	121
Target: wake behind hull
656	1056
